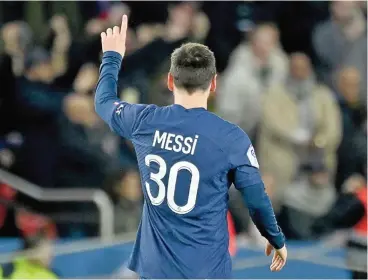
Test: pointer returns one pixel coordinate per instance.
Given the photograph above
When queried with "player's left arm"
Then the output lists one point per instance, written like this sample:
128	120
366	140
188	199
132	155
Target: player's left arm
119	115
247	179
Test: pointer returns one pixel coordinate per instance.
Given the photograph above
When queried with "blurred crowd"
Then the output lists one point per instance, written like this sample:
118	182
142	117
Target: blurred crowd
293	75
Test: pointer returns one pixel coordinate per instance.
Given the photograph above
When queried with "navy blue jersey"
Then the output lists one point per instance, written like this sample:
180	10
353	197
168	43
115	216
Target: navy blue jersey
188	158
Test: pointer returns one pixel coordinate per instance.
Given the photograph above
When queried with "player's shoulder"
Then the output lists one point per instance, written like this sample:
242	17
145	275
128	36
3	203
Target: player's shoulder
145	109
225	130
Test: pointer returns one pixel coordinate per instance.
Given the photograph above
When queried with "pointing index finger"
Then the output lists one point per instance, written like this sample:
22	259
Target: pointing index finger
124	25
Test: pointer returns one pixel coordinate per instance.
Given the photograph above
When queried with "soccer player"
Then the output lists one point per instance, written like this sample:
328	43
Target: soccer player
188	158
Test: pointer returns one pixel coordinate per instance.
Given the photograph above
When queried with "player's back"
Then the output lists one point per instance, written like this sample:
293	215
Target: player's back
183	156
187	159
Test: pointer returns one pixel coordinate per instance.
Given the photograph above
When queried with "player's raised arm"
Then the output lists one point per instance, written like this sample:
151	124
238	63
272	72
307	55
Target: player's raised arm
119	115
247	179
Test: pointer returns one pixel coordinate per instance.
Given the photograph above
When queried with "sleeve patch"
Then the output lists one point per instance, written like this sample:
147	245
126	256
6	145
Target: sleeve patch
119	109
251	154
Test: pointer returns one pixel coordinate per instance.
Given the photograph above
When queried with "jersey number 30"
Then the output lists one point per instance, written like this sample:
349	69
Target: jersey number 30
173	174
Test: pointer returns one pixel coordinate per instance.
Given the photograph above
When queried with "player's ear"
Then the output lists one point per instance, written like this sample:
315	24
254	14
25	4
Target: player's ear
170	82
213	84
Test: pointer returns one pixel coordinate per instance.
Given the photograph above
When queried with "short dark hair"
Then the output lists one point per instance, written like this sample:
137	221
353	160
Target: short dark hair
193	66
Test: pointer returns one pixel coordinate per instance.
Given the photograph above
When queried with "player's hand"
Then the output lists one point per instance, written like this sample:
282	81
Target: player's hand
114	39
279	257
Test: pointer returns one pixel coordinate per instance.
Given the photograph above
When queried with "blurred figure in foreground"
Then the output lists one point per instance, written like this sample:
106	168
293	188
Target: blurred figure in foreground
252	70
308	198
352	153
35	264
350	211
300	118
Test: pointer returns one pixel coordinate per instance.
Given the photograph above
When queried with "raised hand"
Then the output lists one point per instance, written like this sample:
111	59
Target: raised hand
114	39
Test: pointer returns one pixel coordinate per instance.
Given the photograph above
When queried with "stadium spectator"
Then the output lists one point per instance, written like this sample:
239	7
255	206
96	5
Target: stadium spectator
196	23
237	17
342	41
298	117
18	39
71	53
60	44
83	159
352	153
125	192
309	197
86	79
253	68
39	106
350	212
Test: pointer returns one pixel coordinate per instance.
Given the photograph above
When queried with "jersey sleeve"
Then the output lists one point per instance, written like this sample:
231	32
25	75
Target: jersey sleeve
243	160
121	116
247	179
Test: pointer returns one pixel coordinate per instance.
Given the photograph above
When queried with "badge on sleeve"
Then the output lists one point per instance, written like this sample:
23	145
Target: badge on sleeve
251	154
119	108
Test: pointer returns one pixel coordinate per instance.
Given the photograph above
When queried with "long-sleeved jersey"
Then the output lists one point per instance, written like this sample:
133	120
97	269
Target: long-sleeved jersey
187	158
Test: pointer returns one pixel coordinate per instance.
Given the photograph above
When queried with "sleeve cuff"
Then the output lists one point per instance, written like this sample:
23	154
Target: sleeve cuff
112	54
278	241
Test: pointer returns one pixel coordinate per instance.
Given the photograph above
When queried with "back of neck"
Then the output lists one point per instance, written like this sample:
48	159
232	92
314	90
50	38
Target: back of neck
191	101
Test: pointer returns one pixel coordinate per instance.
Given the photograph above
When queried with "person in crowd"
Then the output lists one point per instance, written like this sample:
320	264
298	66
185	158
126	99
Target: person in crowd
125	191
60	44
86	79
299	117
349	212
87	155
84	158
253	68
342	41
39	106
352	153
114	12
237	18
186	15
307	198
18	39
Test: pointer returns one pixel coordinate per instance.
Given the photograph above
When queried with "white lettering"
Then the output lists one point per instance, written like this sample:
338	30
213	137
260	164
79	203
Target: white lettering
187	143
159	139
169	141
195	144
178	141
